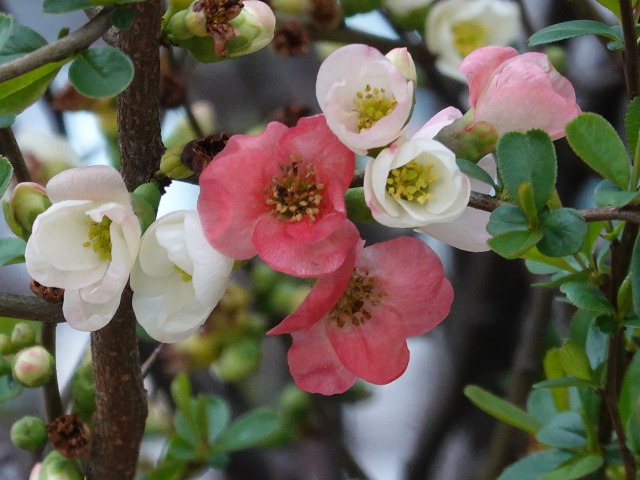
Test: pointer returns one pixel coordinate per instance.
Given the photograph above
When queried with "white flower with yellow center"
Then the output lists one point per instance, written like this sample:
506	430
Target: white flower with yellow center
455	28
366	97
86	243
178	278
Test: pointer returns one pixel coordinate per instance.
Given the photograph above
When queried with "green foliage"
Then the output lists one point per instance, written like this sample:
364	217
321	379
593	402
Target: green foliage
606	194
574	360
501	409
11	250
123	18
472	170
7	120
512	245
629	400
572	29
535	465
357	209
63	6
635	276
20	41
528	157
565	430
6	28
563	232
101	72
353	7
6	171
575	467
599	146
632	124
9	388
586	296
613	5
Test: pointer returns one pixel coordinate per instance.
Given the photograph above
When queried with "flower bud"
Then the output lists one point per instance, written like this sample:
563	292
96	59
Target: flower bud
57	467
5	366
33	366
29	433
6	347
83	389
23	335
195	21
403	61
239	360
35	471
171	163
255	26
28	200
177	27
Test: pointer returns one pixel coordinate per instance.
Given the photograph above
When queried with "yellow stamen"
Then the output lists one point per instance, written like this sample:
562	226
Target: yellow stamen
411	182
372	105
470	35
100	238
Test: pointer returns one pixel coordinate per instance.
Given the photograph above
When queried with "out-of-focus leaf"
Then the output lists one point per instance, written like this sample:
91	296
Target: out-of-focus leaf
533	466
11	250
501	409
572	29
248	431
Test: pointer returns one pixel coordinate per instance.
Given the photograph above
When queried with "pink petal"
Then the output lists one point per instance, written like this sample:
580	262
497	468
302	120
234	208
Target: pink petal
412	277
479	66
436	123
314	365
376	351
98	183
309	259
323	296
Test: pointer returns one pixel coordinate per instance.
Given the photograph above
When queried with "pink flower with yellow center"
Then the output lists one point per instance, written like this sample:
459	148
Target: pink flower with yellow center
280	195
355	321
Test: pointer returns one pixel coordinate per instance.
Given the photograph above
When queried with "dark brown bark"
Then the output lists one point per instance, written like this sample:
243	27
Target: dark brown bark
121	406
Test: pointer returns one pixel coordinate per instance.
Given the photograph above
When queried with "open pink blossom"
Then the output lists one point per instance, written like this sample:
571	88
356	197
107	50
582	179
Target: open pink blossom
355	321
280	195
518	92
86	243
366	97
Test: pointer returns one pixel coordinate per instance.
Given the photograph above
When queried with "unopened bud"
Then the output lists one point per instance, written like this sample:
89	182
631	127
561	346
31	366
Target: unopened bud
28	200
35	471
83	389
171	164
57	467
29	433
403	61
195	21
255	26
177	26
239	360
6	347
23	335
467	139
33	366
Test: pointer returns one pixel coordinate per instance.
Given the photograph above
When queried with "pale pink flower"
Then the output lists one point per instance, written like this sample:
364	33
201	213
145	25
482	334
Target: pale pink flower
355	321
86	243
280	195
365	96
178	277
518	92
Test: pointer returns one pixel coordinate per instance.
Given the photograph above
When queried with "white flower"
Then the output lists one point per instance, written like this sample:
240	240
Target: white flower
414	184
455	28
86	243
46	154
178	278
404	7
365	98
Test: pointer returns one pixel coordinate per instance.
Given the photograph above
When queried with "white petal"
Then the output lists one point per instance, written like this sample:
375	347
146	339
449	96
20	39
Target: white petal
86	316
98	183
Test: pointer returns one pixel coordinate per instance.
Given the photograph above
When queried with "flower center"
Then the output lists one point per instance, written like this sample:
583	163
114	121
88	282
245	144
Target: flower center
357	301
184	275
469	35
100	238
372	105
295	194
411	182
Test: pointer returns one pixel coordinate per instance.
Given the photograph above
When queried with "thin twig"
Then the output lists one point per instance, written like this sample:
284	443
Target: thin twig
146	366
52	400
630	48
10	148
66	47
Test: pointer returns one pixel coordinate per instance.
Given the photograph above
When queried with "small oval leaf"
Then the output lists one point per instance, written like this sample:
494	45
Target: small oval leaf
101	72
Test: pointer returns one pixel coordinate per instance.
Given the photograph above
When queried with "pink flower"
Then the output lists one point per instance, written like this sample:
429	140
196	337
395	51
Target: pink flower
355	321
366	97
280	195
518	92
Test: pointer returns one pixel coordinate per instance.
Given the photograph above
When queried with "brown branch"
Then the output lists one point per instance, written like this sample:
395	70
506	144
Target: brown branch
52	399
12	151
66	47
23	307
121	406
630	48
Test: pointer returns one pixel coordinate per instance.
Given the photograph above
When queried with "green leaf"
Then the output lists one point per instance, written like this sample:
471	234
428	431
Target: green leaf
180	449
248	431
635	276
501	409
168	470
562	277
472	170
528	157
534	255
357	208
512	245
565	430
101	72
9	388
6	171
507	218
11	250
613	5
576	467
20	92
632	124
597	346
6	28
219	461
587	297
186	428
181	392
21	41
541	406
630	394
599	146
533	466
123	18
218	416
563	382
7	120
563	232
63	6
633	430
606	194
574	360
527	203
572	29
